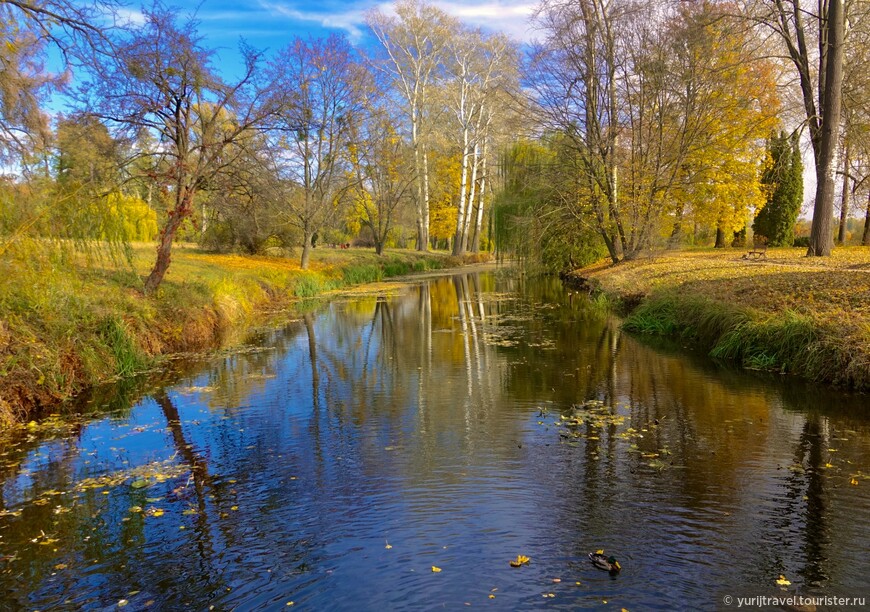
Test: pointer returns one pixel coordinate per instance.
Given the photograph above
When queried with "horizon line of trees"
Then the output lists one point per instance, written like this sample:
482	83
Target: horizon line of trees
629	125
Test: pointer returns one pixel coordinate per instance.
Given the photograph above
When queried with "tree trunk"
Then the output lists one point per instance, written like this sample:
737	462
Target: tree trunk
466	234
425	236
306	249
720	238
167	236
415	142
844	202
865	239
478	225
458	242
821	238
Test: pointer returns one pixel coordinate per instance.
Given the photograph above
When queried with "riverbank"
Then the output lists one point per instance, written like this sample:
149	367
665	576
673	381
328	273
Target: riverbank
67	326
786	312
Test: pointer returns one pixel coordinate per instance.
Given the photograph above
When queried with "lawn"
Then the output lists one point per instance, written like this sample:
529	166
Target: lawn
770	313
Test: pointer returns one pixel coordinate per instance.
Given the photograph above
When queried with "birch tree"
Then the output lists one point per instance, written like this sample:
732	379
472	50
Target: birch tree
481	67
415	43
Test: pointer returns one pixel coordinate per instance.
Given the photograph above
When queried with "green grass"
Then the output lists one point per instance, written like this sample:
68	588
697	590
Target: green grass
788	342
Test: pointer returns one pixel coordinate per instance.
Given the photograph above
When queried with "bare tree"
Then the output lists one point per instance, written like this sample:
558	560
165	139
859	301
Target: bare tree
319	87
159	80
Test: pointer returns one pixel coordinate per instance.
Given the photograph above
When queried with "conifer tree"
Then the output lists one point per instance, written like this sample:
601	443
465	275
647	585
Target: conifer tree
783	181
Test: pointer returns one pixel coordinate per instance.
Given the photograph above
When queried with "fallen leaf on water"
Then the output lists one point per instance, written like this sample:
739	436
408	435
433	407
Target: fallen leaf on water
782	581
520	560
122	603
557	580
388	546
61	566
491	596
139	484
854	481
135	509
436	569
234	508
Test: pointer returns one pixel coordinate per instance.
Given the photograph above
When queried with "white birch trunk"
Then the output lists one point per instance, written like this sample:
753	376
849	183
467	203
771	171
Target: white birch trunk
475	245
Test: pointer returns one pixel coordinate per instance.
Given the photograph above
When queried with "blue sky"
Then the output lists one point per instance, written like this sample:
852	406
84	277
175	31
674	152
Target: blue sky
271	24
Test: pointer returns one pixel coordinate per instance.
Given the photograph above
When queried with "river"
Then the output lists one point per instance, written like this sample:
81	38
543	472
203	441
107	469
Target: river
398	450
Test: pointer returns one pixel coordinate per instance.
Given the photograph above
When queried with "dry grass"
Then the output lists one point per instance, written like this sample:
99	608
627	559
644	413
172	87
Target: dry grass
67	324
832	295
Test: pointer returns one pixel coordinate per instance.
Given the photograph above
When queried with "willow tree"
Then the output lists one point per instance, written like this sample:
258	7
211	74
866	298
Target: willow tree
160	80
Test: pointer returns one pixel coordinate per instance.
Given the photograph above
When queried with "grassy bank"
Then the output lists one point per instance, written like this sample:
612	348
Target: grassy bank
67	324
809	317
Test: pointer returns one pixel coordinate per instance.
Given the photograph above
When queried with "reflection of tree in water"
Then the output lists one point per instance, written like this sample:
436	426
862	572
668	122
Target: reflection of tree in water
797	522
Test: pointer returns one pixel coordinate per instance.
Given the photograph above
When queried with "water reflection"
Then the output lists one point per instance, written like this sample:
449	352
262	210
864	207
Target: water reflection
335	461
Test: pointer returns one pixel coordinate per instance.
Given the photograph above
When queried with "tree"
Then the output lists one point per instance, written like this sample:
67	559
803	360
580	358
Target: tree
784	187
482	67
415	43
159	80
29	29
383	176
664	110
821	93
319	89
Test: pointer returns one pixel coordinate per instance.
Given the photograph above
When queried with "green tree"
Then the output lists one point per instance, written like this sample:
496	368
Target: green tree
783	182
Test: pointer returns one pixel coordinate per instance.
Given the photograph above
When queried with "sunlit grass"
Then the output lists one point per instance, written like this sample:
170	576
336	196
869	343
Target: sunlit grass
809	316
67	323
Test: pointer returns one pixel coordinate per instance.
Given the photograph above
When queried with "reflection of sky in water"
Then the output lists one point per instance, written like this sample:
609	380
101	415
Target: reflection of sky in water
416	422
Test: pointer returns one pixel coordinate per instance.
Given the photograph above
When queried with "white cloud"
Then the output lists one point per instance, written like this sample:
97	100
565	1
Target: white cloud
508	16
129	17
350	20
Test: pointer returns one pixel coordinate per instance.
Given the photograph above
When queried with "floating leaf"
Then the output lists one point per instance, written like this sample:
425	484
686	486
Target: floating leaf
854	481
520	560
491	596
388	546
436	569
139	484
782	581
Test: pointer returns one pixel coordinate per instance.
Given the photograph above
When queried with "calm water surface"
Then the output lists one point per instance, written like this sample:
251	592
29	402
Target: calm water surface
337	460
